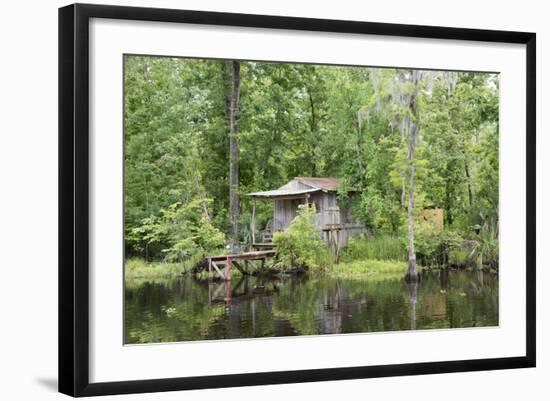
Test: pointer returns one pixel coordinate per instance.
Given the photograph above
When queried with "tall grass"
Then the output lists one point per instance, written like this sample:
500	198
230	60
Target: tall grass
380	247
371	269
135	268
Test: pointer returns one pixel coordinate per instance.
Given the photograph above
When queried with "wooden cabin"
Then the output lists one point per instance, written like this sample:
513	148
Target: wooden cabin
334	221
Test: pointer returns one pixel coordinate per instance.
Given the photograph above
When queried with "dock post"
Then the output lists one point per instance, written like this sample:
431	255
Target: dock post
253	222
227	293
227	268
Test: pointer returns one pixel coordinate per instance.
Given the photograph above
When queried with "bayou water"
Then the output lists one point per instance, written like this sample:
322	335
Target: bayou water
184	309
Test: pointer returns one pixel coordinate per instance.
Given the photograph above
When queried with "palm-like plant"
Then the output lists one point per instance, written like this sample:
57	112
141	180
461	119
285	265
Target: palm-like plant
485	245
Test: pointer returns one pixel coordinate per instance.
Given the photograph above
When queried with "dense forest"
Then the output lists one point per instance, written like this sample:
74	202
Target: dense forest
200	134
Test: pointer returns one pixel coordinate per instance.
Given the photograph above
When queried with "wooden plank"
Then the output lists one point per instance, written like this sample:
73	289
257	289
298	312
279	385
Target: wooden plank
243	255
239	268
218	269
262	245
337	244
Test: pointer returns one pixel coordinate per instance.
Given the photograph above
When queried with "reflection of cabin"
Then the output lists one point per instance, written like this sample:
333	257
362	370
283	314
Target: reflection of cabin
334	221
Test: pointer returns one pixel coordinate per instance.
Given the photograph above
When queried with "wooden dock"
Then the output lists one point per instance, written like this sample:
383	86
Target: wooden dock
262	246
224	271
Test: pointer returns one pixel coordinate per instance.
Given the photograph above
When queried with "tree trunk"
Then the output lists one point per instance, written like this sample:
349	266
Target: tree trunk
448	207
232	104
403	191
313	131
469	182
412	274
358	148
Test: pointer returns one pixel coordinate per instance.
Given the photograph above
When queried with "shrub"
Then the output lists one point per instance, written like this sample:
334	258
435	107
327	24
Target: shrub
186	230
433	248
300	246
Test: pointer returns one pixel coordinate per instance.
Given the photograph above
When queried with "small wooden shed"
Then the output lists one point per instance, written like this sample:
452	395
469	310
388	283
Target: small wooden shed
334	221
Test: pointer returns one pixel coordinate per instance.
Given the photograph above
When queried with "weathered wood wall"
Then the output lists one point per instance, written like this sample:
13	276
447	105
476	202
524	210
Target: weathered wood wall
328	212
284	210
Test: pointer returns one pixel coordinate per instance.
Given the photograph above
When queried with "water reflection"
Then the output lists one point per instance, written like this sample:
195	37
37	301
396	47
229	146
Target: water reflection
184	309
413	290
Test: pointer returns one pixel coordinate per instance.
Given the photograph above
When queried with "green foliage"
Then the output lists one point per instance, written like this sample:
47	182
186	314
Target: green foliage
485	249
433	247
186	229
300	246
304	120
459	257
380	246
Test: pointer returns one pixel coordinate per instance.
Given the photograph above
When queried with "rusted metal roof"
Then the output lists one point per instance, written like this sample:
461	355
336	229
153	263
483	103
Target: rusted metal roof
325	183
300	186
282	193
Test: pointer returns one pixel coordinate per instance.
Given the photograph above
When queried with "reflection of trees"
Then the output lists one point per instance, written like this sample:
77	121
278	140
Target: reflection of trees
344	306
163	312
185	309
457	299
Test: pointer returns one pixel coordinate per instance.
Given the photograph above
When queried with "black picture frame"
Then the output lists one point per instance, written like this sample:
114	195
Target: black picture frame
74	198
